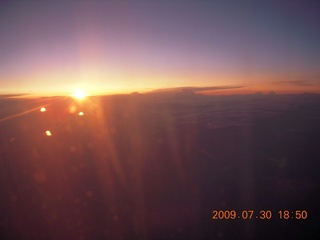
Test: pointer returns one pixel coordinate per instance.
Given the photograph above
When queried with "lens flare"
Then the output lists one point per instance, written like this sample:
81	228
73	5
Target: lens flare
48	133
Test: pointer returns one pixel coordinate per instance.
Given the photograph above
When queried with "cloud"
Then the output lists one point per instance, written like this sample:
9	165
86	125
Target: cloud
196	89
5	96
296	83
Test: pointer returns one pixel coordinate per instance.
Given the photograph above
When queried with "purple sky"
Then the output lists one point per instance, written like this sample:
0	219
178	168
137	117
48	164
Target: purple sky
125	46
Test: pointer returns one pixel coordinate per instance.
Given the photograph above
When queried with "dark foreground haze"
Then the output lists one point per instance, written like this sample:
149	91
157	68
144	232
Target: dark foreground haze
156	166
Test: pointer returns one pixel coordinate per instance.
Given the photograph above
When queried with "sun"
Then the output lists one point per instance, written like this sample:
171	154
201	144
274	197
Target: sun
79	94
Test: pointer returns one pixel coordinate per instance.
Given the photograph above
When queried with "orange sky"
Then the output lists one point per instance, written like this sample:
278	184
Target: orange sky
109	47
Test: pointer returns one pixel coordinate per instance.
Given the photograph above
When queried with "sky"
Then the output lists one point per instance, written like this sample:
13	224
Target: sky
54	47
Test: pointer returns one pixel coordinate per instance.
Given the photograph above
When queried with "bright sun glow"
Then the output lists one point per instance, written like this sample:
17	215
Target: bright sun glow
79	94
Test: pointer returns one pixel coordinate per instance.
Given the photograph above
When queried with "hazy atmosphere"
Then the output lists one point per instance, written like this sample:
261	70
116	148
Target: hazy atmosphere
53	47
151	120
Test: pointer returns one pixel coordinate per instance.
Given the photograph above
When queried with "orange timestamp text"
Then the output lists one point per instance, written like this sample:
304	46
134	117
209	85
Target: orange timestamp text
260	214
